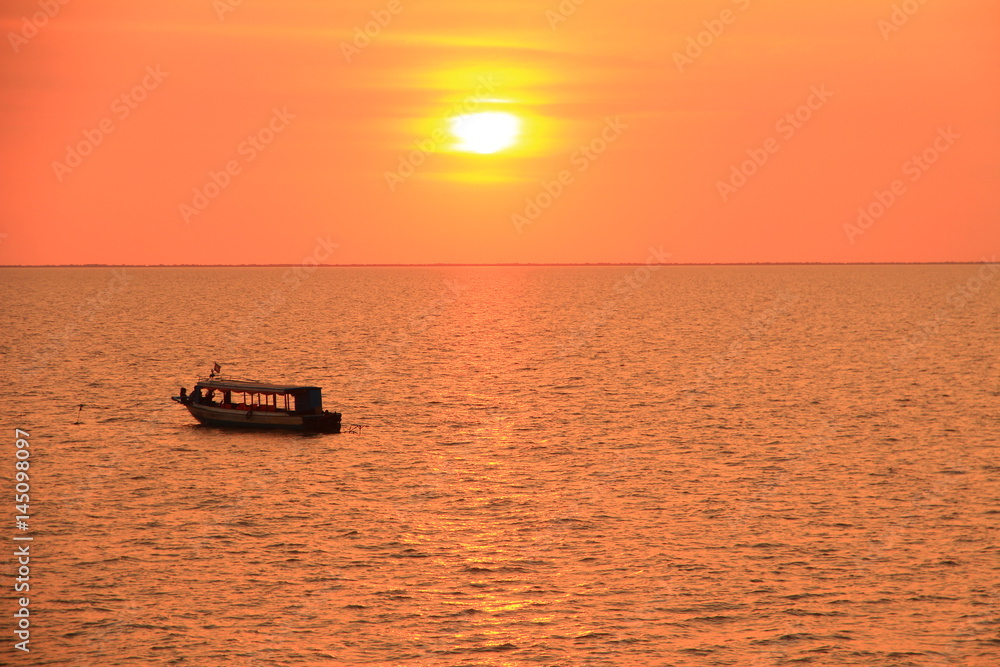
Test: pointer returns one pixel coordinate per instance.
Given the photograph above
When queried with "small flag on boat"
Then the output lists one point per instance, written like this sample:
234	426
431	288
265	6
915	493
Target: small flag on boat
217	368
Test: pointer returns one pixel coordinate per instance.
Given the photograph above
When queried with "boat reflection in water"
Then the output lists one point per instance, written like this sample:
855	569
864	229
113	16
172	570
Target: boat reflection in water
253	404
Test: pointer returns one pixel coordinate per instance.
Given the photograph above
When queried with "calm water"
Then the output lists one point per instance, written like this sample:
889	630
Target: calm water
560	466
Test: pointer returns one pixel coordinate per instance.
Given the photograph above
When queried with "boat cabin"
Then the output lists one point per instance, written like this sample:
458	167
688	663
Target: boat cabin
253	396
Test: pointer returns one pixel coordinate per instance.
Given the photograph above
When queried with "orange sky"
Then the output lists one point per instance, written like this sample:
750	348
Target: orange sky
330	134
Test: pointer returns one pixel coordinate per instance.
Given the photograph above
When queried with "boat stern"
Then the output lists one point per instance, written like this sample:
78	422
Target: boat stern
327	422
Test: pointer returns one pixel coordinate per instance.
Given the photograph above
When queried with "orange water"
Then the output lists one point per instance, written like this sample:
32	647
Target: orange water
561	466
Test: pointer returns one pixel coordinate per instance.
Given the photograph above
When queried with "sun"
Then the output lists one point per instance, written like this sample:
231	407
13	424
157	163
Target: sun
486	132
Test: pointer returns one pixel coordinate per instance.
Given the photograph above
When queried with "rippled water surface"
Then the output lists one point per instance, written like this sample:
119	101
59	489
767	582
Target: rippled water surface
559	466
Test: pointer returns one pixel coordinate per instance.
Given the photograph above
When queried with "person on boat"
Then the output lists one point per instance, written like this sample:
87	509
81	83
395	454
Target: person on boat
210	397
196	395
184	394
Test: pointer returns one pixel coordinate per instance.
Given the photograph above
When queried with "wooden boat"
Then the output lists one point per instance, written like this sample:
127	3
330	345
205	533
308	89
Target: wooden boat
217	401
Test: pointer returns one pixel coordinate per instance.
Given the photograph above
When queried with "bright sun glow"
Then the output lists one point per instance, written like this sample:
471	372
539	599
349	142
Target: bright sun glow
486	132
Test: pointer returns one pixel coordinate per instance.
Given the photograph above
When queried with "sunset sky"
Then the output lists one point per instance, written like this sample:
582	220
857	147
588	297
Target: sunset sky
267	131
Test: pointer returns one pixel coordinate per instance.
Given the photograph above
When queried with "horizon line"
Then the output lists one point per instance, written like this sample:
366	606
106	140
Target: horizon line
467	264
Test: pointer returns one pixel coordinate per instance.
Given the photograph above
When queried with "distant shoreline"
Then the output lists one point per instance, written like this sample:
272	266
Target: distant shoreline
445	264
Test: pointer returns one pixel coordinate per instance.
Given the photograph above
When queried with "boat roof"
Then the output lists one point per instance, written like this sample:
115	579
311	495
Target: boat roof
252	385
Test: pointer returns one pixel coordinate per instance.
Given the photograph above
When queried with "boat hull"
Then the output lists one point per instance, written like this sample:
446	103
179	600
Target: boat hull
326	422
